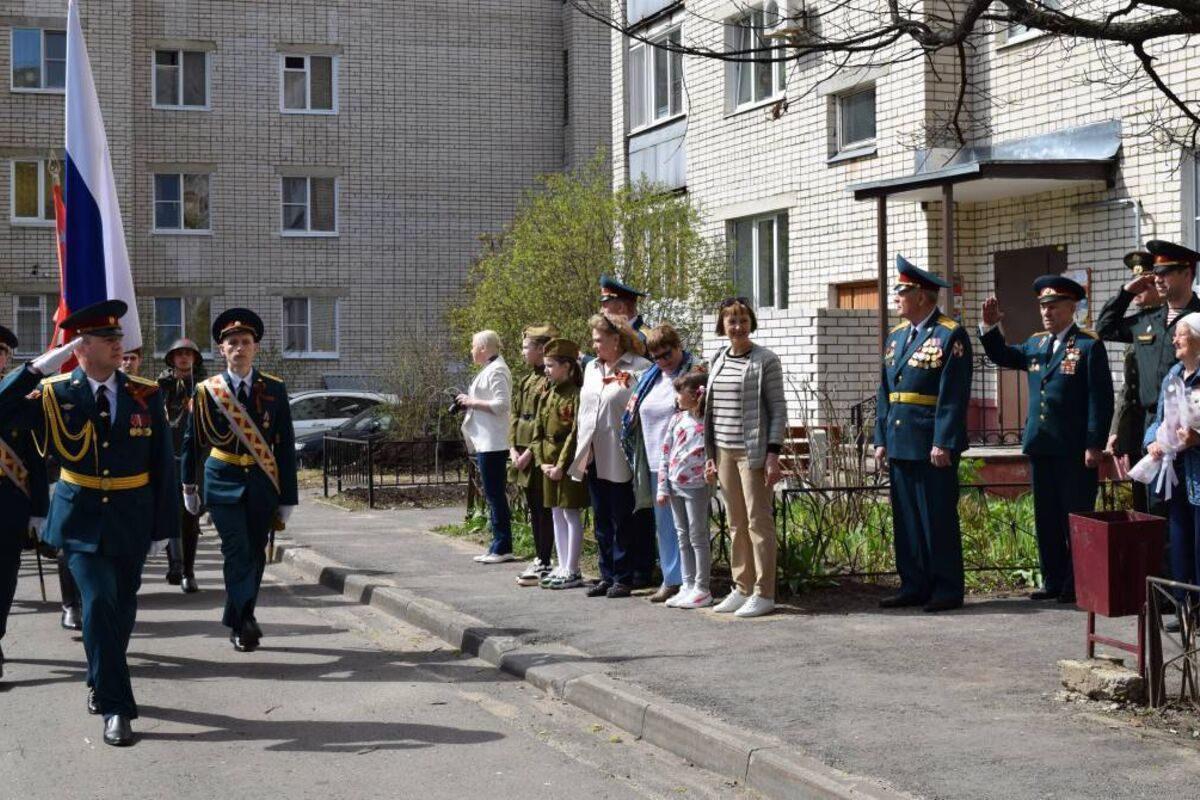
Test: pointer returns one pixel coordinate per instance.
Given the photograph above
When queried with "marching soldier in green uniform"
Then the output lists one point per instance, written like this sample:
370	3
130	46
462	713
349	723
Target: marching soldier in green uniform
1149	330
116	498
250	473
921	431
178	384
524	471
1070	410
24	495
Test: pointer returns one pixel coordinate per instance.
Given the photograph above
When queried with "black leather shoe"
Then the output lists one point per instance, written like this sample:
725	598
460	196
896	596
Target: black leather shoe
619	590
1042	594
599	590
251	633
189	585
902	601
945	604
72	618
174	578
117	731
241	645
92	706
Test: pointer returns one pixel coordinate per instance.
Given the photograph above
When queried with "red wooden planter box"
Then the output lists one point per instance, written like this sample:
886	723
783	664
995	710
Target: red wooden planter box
1113	553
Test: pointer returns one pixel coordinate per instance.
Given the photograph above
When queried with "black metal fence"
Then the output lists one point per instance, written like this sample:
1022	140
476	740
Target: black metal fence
372	463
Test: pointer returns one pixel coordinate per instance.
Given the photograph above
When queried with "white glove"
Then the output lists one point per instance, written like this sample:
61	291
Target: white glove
48	363
285	512
37	523
191	501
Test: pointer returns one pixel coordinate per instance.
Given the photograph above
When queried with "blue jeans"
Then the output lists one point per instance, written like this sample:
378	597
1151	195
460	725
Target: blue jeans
612	511
668	539
493	475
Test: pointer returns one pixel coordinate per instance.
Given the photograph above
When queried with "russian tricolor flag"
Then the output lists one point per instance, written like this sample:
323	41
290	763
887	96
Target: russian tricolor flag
95	261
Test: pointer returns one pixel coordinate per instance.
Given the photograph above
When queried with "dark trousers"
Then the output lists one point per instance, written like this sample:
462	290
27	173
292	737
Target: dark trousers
613	517
181	553
66	584
927	537
1061	486
10	568
541	519
1183	526
643	541
493	474
108	587
244	530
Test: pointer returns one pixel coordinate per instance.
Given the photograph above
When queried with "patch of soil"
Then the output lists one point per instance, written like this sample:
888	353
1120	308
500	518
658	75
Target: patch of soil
412	496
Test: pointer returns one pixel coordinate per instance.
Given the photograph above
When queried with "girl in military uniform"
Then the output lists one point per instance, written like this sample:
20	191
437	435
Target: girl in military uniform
553	448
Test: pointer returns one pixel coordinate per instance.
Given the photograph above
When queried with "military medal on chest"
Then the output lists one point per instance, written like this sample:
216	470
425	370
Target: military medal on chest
889	355
928	356
1071	361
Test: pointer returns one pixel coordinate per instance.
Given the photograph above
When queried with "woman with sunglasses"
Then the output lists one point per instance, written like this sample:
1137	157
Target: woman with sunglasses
744	424
643	427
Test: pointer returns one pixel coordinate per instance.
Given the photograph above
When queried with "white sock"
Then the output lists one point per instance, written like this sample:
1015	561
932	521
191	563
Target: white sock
574	538
560	535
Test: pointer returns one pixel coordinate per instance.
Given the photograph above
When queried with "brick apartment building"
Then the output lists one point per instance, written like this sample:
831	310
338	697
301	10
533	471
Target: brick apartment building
329	164
789	164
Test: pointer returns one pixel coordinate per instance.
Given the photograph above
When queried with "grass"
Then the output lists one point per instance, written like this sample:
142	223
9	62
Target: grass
476	528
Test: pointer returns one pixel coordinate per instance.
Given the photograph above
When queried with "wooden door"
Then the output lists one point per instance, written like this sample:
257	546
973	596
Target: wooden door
1015	271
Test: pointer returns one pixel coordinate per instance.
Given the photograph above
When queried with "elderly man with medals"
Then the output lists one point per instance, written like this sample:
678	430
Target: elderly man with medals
116	498
250	473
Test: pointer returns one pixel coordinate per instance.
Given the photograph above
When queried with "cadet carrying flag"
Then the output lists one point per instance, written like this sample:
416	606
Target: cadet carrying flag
95	262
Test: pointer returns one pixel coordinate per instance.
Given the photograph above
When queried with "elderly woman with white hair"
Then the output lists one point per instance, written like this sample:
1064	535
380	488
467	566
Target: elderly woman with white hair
485	427
1183	517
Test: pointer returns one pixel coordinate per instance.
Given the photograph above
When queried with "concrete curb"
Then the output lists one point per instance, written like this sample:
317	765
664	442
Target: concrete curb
753	760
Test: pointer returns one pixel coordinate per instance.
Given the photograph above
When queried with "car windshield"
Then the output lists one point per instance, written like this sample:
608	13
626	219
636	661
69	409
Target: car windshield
370	420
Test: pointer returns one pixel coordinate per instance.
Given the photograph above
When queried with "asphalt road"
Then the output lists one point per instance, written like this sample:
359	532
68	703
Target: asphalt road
340	702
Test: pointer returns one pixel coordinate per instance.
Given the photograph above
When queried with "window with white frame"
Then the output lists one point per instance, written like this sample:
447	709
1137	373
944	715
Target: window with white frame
39	60
31	195
309	206
758	254
181	203
655	88
855	111
310	327
177	317
180	79
764	77
34	316
1191	199
308	84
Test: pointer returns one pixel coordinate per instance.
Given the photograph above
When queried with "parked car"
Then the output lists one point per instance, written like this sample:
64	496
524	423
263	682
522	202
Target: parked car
322	410
374	420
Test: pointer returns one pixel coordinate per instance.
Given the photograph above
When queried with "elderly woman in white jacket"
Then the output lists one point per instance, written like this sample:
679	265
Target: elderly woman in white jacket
485	428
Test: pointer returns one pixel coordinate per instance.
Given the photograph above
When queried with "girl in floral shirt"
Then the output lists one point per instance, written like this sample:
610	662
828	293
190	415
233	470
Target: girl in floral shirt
682	483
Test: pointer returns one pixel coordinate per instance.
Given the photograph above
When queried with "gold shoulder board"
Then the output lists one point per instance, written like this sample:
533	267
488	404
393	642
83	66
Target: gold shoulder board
947	322
142	381
275	378
899	327
62	376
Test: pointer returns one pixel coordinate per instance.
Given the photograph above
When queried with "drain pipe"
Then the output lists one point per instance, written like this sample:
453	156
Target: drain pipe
1135	207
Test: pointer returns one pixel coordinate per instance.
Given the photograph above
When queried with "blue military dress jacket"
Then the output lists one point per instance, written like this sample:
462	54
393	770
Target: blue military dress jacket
115	494
1187	464
1070	389
924	389
32	498
230	473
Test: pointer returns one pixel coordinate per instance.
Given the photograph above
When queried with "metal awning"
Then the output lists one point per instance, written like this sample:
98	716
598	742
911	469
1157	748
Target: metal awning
1059	160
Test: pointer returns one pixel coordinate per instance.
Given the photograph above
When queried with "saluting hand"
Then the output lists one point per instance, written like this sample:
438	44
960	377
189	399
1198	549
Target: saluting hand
992	315
1140	284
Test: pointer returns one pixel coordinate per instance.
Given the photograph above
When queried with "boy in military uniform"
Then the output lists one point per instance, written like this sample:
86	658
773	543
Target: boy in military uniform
1070	410
524	471
24	495
921	430
250	473
116	498
178	384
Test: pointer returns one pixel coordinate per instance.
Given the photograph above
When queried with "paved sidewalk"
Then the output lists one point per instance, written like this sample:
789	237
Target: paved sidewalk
958	705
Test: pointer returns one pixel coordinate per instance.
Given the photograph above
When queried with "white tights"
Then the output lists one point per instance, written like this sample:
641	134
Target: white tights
568	537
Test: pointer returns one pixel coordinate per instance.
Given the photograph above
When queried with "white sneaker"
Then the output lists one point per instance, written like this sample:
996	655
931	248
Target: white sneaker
479	557
756	606
496	558
675	600
732	602
533	573
697	599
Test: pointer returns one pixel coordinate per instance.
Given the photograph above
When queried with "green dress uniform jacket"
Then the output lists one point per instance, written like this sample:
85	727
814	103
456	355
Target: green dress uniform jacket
1150	337
554	444
532	388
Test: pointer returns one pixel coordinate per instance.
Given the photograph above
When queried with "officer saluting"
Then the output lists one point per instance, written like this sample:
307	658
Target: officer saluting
250	473
24	494
1070	409
116	495
921	430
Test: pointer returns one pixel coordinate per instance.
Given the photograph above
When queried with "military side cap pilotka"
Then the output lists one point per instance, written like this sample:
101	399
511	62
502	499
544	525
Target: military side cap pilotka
1138	261
539	332
1050	288
913	277
561	350
8	337
1169	256
182	344
98	319
237	320
611	287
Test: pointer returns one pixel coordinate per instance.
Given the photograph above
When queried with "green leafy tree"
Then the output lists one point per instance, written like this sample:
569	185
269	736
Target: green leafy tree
546	265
